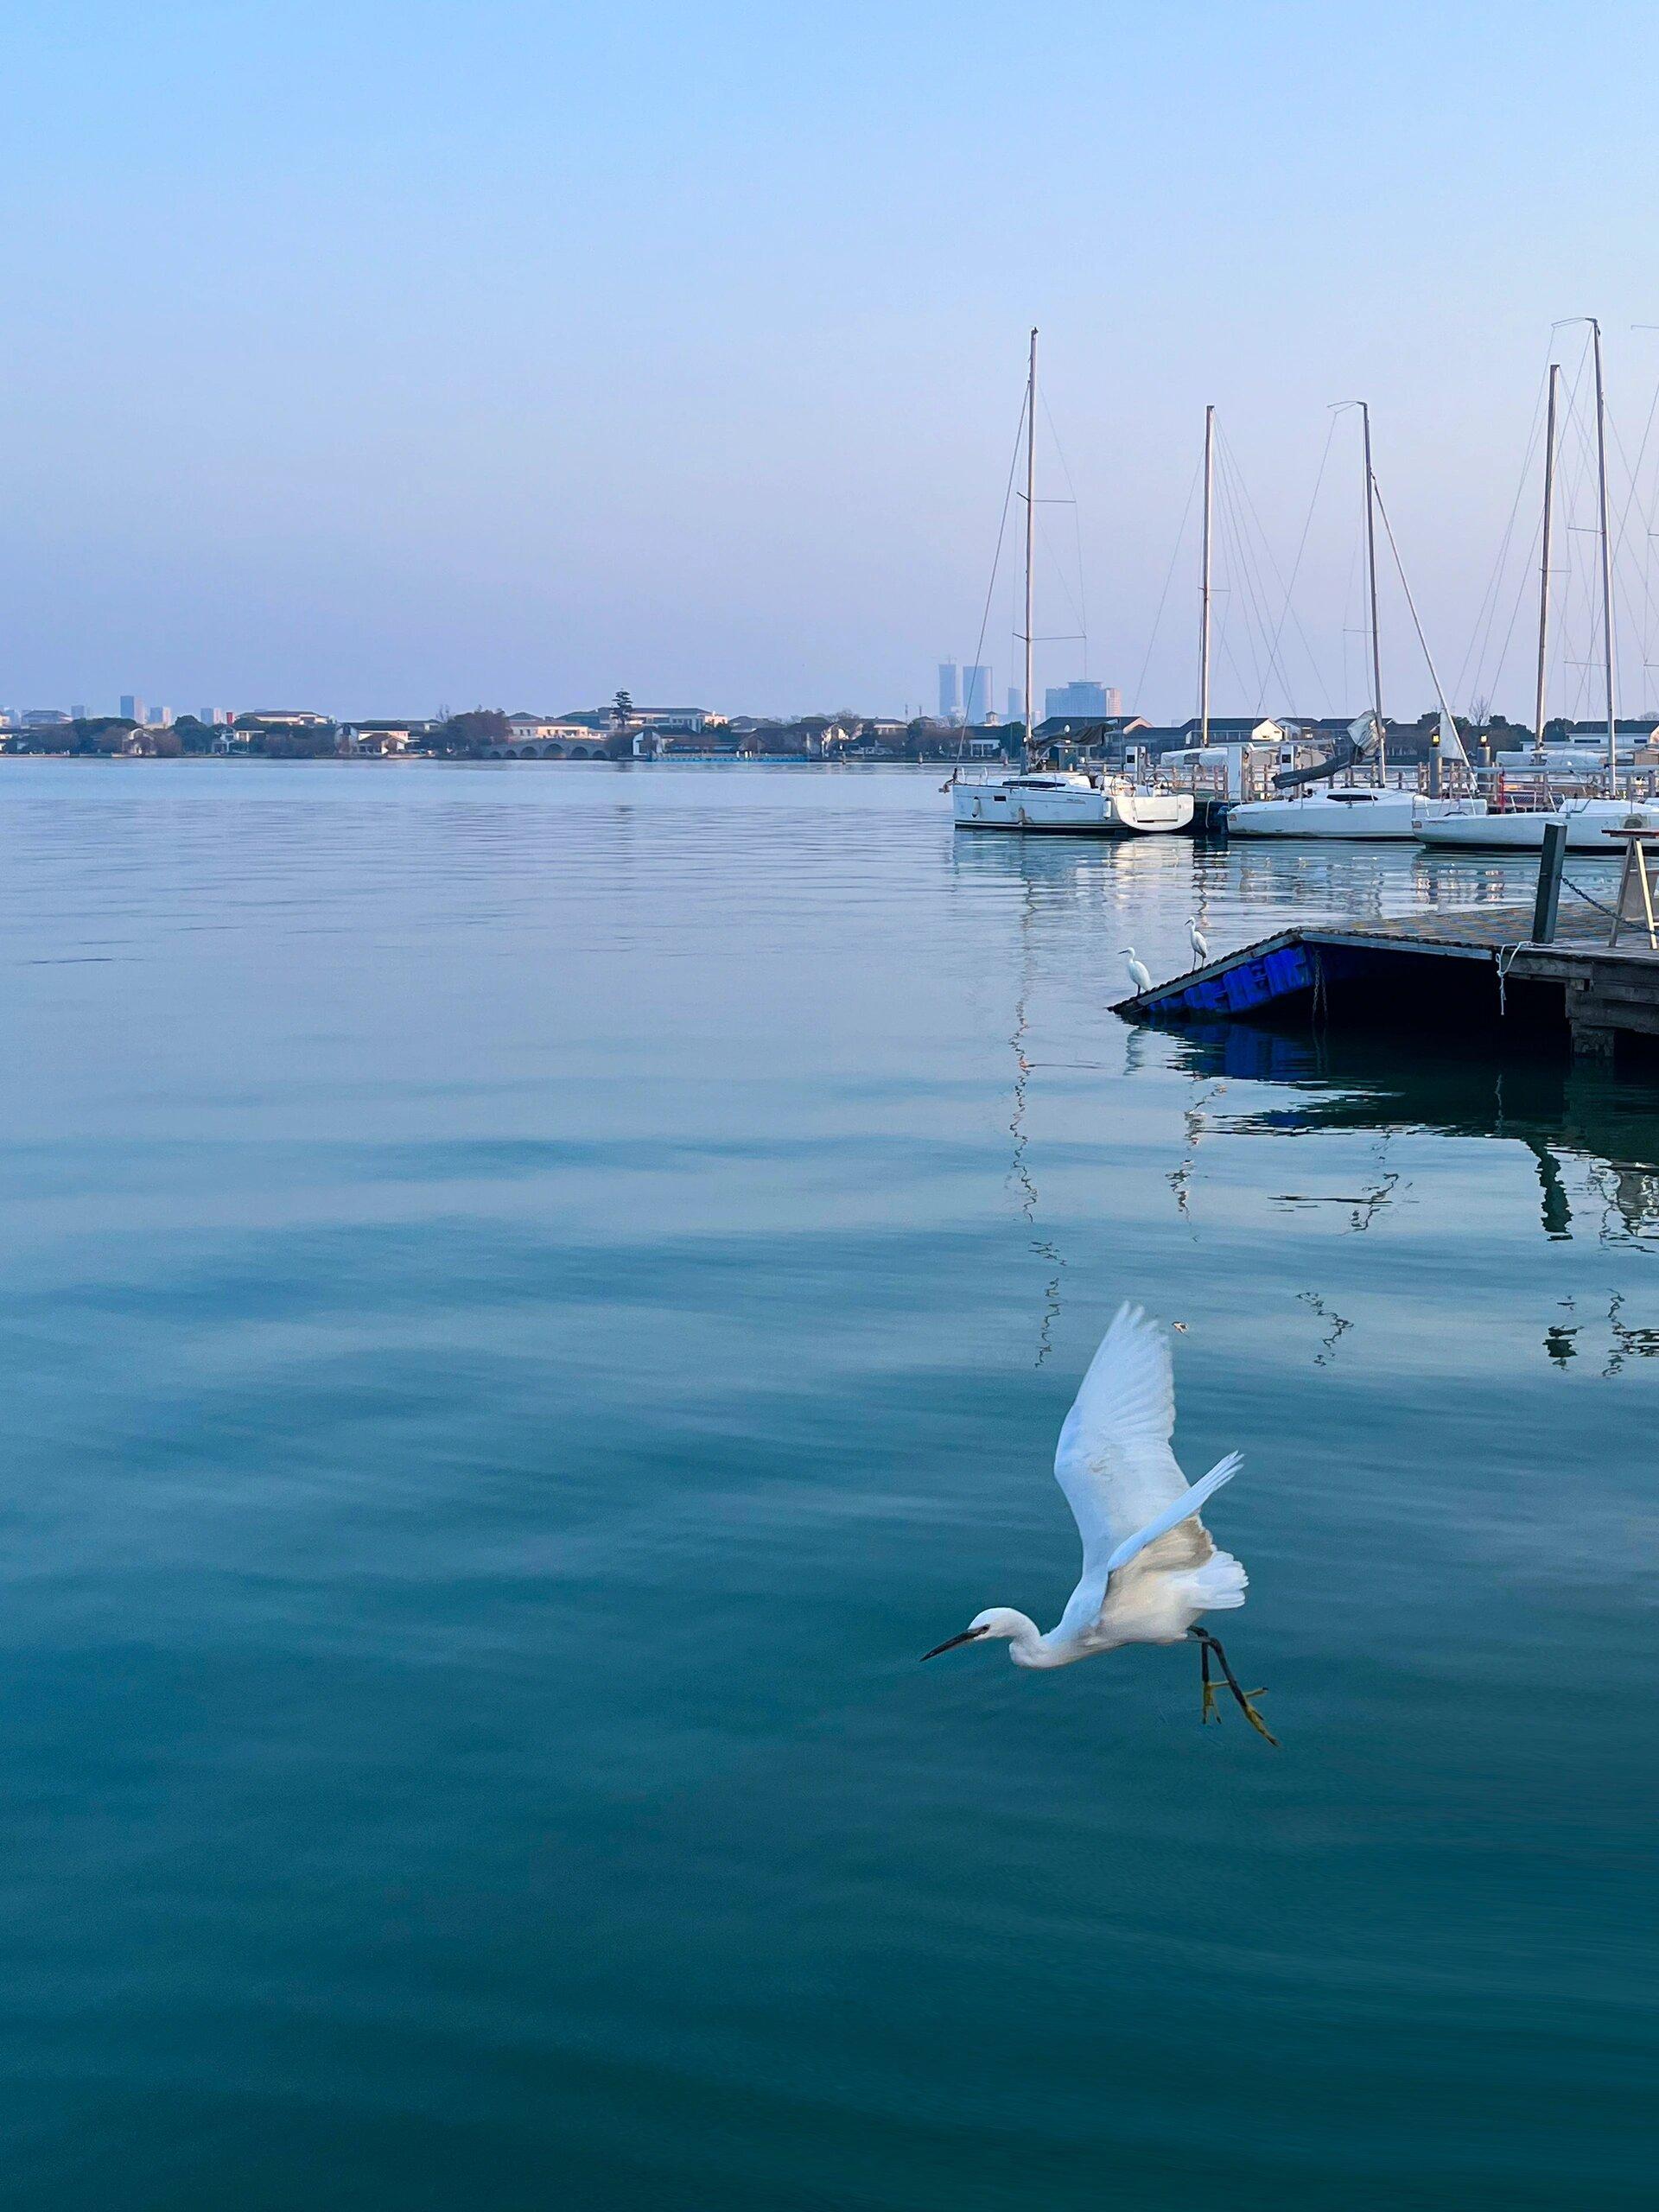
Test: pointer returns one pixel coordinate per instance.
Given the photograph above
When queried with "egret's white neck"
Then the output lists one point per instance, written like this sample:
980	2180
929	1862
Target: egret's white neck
1027	1645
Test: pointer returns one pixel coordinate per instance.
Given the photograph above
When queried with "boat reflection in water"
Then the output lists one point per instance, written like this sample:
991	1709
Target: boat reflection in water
1565	1114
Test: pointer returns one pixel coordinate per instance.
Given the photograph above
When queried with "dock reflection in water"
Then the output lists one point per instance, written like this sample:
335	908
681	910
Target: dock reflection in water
1594	1138
1561	1112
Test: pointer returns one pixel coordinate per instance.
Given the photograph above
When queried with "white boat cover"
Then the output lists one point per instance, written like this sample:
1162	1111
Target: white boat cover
1451	743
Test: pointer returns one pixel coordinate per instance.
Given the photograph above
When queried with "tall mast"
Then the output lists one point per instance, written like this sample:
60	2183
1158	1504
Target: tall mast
1606	564
1204	618
1370	572
1031	524
1543	562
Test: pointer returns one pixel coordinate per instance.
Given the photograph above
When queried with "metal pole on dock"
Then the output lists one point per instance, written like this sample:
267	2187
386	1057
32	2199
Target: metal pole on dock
1370	571
1543	558
1204	619
1031	524
1606	565
1548	898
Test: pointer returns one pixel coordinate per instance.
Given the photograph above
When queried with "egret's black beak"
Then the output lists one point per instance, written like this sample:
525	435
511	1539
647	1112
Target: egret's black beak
951	1641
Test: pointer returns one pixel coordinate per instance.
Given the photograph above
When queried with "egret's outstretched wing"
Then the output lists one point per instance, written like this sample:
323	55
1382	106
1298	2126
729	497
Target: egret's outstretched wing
1189	1503
1113	1462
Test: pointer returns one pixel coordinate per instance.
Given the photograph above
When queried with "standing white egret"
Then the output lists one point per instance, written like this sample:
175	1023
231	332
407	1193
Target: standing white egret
1139	974
1150	1569
1199	943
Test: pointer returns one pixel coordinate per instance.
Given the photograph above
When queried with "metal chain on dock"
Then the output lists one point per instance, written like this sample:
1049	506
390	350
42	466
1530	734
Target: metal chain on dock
1589	897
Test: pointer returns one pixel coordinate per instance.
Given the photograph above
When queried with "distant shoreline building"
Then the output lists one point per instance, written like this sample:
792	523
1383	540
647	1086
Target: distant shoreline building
1083	700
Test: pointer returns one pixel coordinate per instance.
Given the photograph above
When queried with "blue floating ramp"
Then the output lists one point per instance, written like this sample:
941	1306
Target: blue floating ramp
1476	966
1281	967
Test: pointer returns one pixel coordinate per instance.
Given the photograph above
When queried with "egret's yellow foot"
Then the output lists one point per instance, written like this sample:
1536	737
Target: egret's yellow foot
1255	1718
1208	1643
1210	1712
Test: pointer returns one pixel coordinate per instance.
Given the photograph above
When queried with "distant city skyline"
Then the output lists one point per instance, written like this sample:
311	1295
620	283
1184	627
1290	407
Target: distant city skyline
1083	698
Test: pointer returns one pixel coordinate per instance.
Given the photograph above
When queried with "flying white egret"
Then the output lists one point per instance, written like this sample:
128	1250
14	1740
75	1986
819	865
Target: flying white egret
1149	1567
1196	939
1139	974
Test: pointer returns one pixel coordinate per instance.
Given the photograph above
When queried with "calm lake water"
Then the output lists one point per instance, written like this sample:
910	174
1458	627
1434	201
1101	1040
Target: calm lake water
533	1294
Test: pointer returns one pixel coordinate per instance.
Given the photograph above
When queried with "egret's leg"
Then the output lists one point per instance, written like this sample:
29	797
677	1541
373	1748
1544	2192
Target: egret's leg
1209	1712
1213	1643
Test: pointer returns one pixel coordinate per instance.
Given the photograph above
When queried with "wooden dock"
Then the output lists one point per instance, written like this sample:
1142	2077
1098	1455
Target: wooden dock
1476	966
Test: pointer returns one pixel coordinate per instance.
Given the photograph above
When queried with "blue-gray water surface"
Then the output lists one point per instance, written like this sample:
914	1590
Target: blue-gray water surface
532	1295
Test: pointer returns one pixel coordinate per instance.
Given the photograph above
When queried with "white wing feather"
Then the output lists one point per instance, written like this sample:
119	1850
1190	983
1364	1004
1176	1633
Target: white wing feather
1185	1507
1115	1464
1114	1461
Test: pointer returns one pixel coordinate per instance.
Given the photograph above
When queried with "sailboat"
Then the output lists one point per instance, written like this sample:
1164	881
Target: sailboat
1586	820
1370	811
1058	799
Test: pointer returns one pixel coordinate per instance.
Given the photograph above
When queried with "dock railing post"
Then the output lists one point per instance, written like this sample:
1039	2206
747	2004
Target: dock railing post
1549	883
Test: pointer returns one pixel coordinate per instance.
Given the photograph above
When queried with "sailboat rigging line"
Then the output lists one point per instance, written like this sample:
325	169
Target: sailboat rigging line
1082	626
1486	612
1076	522
1232	663
1528	578
1169	576
1650	609
1633	473
1082	593
1295	570
1222	594
1411	604
1647	607
1623	592
1232	566
1001	532
1254	575
1350	630
1239	566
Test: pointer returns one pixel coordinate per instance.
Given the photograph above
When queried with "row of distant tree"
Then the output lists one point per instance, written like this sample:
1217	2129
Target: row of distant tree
471	734
110	734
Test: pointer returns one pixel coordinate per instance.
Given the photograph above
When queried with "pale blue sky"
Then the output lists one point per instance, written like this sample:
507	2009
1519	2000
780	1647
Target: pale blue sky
371	355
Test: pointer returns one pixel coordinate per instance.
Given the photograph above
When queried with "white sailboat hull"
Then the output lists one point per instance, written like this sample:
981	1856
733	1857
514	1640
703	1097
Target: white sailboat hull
1587	822
1355	814
1081	808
